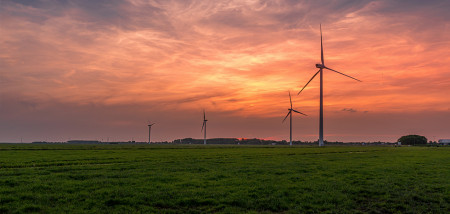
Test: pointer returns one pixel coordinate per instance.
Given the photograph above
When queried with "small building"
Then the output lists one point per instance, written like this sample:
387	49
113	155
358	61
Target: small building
444	141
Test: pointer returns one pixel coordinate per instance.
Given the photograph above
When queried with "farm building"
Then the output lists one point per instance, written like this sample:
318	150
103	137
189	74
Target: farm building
444	141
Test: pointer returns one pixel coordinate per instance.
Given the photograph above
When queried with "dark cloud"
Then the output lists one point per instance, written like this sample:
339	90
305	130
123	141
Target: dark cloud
101	15
349	110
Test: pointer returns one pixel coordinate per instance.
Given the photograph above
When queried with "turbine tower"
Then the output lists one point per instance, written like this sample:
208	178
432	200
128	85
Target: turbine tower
204	125
290	114
321	67
149	131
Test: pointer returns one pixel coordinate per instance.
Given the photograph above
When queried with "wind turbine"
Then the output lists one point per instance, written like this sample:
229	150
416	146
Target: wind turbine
290	114
204	125
149	131
321	67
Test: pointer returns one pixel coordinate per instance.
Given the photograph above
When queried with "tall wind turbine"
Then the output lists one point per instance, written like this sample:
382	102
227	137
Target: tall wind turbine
290	114
321	67
204	126
149	131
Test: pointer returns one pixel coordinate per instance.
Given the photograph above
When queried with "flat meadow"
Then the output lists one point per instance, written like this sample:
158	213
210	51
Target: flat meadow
223	179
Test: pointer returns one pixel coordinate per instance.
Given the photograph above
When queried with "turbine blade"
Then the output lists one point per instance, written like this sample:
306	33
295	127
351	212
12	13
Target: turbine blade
321	45
153	124
299	112
203	126
204	115
286	116
290	100
343	74
309	82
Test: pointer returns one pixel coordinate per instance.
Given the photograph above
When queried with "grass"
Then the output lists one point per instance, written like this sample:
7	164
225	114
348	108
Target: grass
223	179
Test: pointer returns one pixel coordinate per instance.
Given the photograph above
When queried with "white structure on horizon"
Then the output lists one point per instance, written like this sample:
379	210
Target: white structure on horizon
444	141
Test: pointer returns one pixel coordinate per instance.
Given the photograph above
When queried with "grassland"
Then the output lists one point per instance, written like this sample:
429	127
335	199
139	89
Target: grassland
223	179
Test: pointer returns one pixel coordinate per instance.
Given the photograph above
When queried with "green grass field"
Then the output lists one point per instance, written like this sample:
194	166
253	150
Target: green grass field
224	179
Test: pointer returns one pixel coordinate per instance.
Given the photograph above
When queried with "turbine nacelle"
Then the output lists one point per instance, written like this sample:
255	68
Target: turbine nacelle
320	66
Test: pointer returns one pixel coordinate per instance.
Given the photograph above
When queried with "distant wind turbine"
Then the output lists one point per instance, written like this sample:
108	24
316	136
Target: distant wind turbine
149	131
321	67
204	126
290	114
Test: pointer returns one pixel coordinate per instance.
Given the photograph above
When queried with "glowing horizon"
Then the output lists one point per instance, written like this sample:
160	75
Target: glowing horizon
97	70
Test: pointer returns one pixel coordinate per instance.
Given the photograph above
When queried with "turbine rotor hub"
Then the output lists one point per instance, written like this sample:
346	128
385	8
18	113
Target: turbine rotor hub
320	66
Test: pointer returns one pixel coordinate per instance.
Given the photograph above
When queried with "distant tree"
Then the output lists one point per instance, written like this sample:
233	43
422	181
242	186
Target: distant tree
412	140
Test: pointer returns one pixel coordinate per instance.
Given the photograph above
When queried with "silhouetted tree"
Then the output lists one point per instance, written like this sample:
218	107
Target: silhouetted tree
412	140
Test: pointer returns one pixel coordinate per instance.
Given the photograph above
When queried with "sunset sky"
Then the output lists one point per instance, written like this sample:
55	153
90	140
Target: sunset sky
102	69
